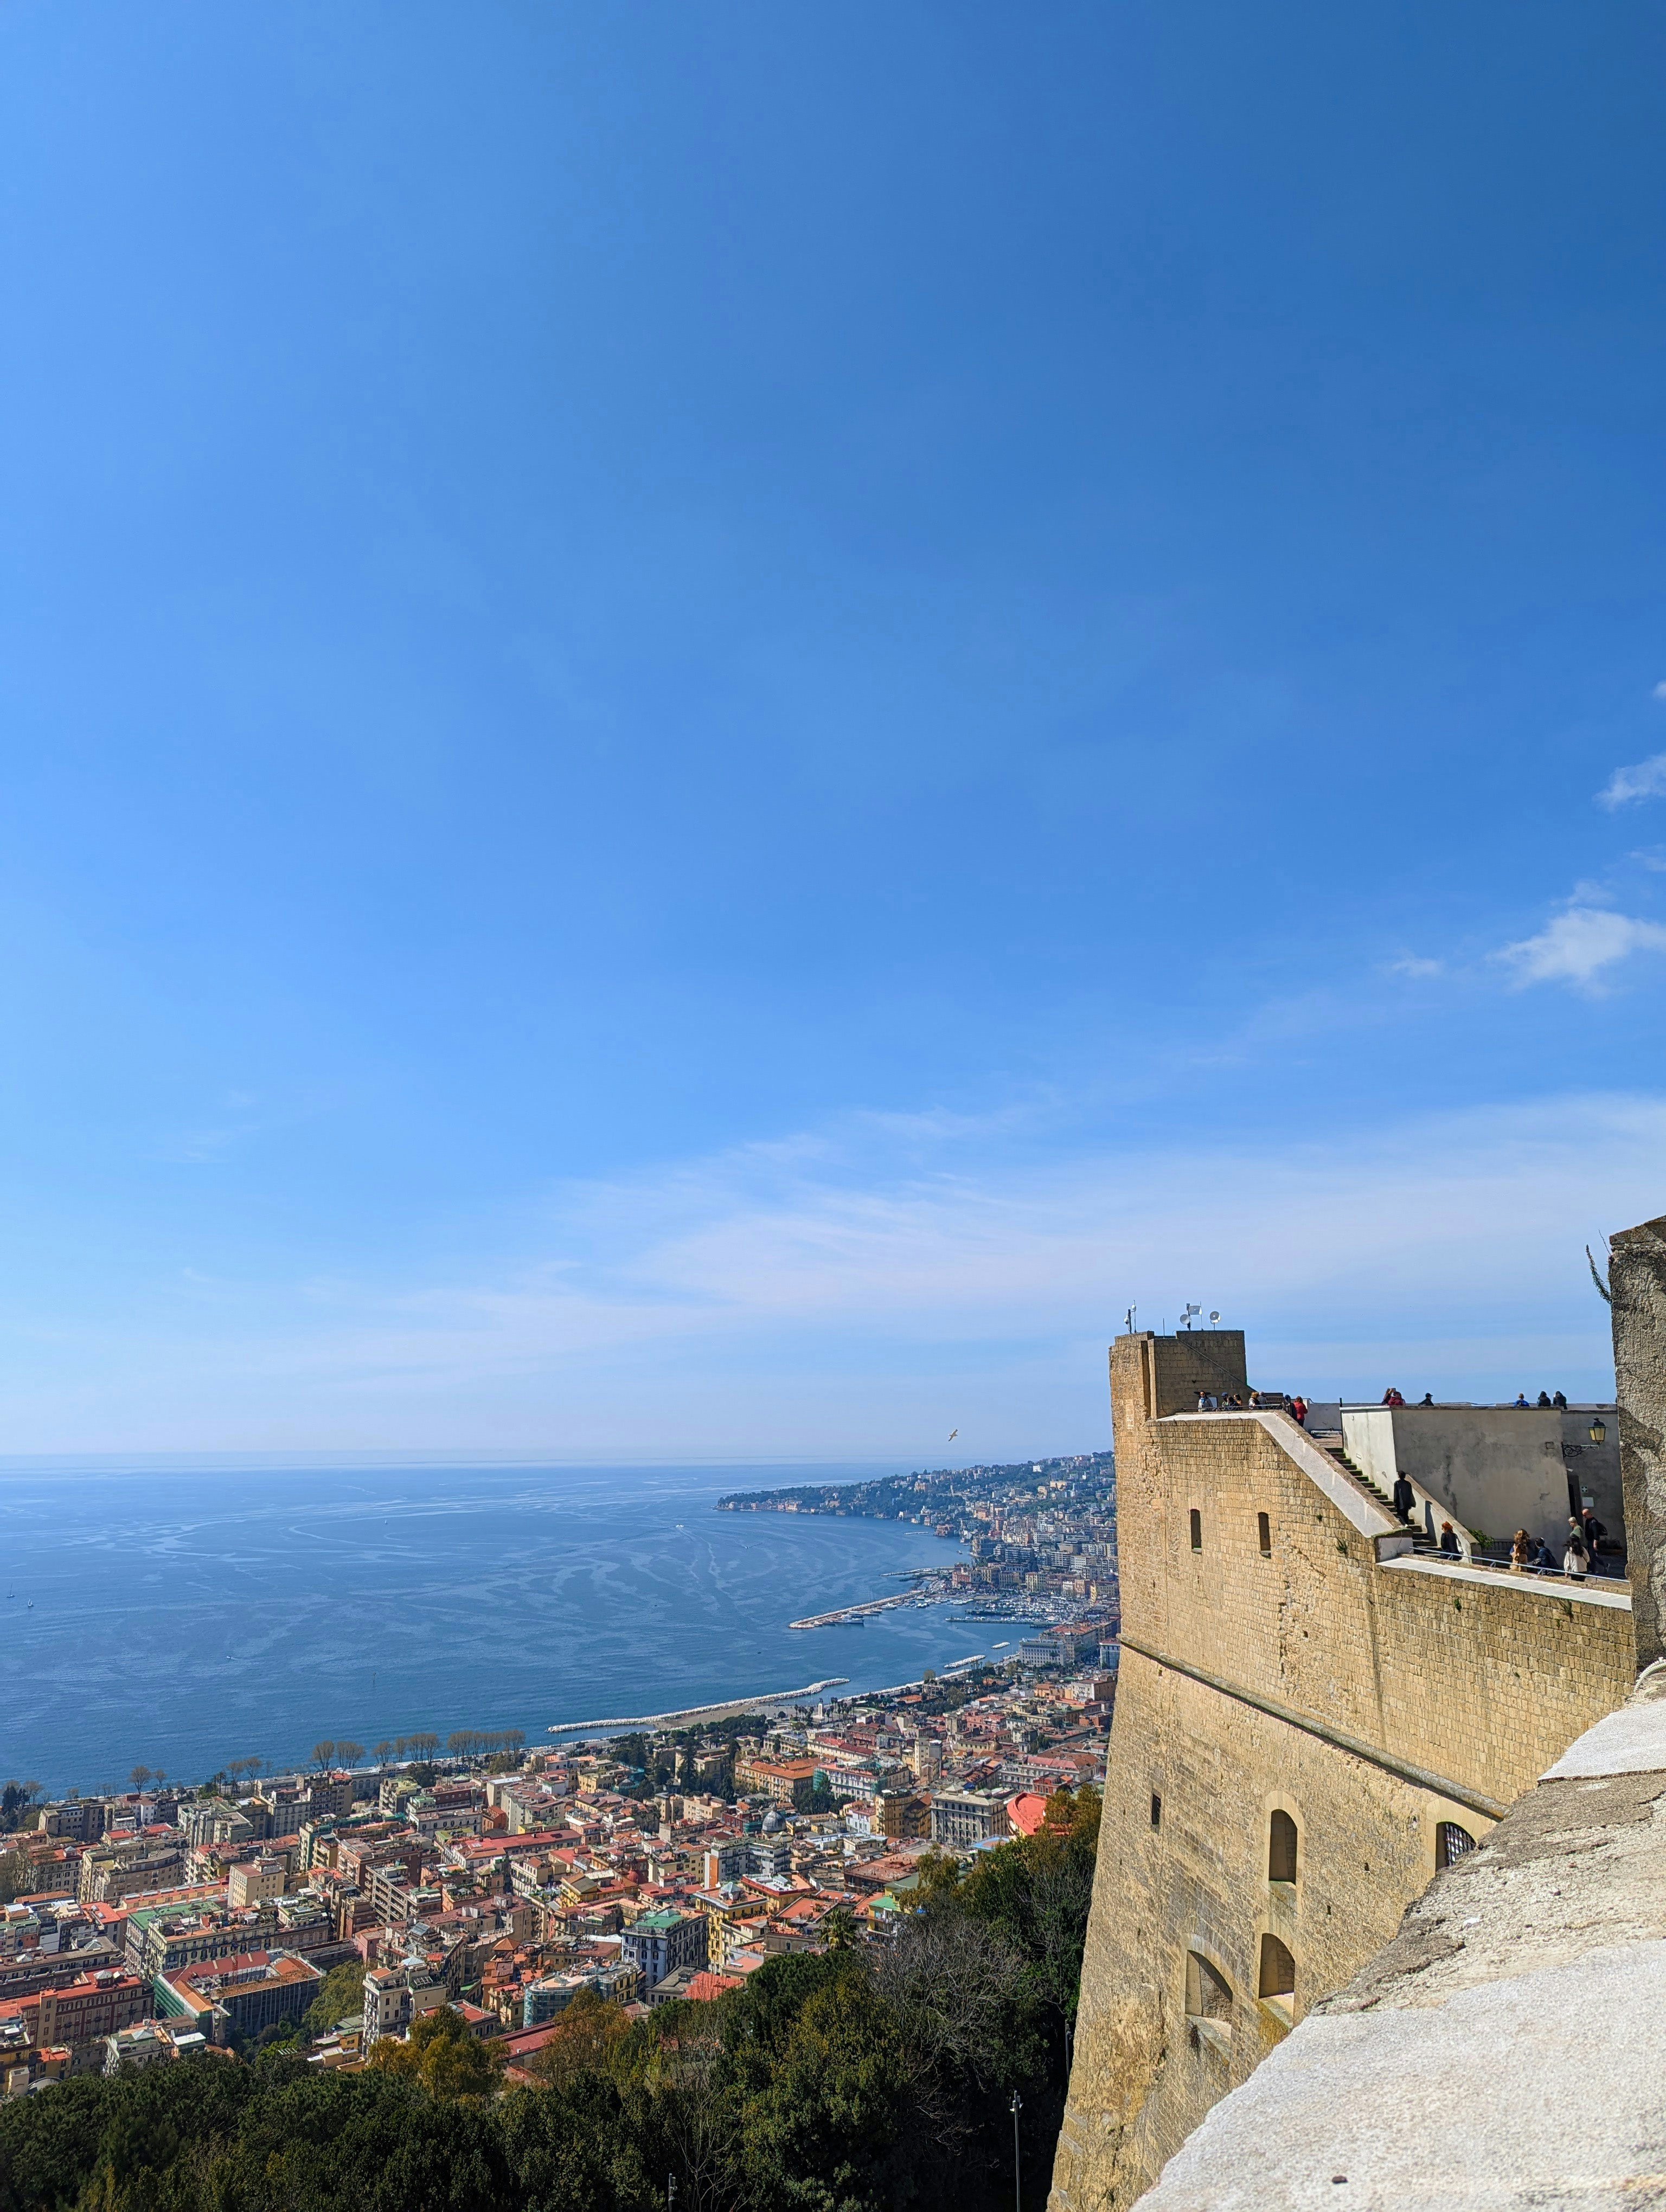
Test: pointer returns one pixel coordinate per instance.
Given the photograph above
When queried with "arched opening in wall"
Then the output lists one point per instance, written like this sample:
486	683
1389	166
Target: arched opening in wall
1281	1842
1197	1529
1264	1536
1452	1843
1209	1992
1277	1984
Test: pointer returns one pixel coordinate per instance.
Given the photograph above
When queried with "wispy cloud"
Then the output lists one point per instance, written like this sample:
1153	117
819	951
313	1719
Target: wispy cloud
863	1290
1579	944
1643	779
1411	964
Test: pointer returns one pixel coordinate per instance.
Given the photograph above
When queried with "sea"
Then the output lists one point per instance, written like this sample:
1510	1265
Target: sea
180	1617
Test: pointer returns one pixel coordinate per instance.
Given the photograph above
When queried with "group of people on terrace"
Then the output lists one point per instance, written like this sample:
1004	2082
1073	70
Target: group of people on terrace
1549	1402
1528	1554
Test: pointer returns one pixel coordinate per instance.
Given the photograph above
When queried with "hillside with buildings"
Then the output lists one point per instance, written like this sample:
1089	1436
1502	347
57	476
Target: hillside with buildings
409	1940
1041	1535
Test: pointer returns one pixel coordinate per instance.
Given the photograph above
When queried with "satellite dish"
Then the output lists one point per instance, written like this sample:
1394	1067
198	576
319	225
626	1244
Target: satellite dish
1213	1320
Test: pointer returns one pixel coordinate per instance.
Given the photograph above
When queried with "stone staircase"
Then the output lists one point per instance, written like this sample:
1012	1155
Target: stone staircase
1373	1489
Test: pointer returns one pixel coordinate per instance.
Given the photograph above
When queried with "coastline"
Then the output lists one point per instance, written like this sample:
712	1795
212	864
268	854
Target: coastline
683	1715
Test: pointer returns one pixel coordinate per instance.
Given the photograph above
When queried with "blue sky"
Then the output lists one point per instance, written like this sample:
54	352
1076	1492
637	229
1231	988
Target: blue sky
717	719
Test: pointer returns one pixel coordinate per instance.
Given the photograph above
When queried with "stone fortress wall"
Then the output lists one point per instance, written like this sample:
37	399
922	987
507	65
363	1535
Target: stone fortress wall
1284	1653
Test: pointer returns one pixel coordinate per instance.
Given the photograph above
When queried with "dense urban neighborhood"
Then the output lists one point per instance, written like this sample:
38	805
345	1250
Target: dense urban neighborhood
437	1927
337	1908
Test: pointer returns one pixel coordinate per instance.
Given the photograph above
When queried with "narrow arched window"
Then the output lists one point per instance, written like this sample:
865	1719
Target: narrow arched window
1280	1849
1278	1969
1452	1843
1197	1530
1208	1993
1264	1536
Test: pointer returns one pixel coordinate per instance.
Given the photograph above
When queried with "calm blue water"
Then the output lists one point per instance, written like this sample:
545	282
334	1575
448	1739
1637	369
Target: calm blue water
182	1619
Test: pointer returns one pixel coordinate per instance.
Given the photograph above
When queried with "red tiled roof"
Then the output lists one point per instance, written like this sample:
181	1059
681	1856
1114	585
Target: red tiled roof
706	1985
1026	1813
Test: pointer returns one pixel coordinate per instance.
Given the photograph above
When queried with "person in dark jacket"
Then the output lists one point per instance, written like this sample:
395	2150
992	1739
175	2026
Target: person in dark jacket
1560	1401
1404	1499
1449	1542
1576	1556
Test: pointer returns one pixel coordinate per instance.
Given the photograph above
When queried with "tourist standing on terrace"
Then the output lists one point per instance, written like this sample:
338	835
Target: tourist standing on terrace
1576	1558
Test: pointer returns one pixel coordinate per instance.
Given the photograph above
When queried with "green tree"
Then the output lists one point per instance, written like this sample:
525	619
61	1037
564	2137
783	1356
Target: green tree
939	1877
817	2130
1036	1892
443	2055
840	1929
587	2035
16	1799
340	1995
578	2149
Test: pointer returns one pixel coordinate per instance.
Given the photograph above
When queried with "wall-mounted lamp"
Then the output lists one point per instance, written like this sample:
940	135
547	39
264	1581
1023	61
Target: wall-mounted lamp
1599	1431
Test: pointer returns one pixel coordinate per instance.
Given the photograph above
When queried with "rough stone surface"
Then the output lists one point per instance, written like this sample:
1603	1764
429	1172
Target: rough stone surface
1502	2052
1525	2093
1636	1279
1476	1681
1626	1743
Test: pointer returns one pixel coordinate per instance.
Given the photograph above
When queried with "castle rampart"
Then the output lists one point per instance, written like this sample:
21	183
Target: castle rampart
1309	1721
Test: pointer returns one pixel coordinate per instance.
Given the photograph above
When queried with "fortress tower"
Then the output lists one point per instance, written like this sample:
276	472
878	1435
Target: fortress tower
1312	1717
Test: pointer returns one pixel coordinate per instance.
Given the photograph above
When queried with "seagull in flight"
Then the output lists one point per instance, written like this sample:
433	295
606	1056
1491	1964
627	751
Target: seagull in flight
953	1433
